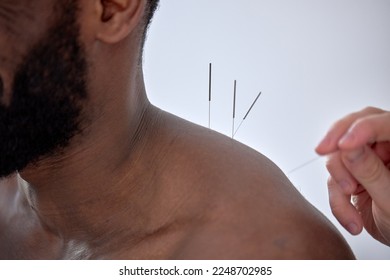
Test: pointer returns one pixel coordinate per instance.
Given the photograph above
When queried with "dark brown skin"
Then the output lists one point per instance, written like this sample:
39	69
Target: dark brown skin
143	184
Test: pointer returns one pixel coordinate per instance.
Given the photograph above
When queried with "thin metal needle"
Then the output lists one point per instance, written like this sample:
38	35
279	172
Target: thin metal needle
246	115
239	127
234	106
303	165
210	69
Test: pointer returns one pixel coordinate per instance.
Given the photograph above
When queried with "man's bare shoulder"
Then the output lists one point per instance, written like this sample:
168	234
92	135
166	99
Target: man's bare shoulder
250	227
250	209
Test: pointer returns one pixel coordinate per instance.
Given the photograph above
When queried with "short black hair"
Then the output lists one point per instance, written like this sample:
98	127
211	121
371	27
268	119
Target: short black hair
151	7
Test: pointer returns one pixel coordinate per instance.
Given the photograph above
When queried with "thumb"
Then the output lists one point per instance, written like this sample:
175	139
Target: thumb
370	171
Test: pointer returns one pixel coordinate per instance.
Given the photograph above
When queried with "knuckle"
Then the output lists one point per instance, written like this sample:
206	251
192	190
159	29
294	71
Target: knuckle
338	202
334	200
364	124
337	124
342	125
361	123
371	109
330	162
331	183
328	165
336	208
372	172
335	166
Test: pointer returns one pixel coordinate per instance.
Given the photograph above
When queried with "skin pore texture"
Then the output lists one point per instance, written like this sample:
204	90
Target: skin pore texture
91	170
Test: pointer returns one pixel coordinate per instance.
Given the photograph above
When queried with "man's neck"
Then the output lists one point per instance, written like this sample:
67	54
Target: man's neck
97	188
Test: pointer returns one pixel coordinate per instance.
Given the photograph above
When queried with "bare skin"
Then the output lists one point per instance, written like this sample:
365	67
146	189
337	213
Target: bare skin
140	183
358	149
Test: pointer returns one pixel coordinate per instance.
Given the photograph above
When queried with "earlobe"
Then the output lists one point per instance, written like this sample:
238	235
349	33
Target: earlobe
118	18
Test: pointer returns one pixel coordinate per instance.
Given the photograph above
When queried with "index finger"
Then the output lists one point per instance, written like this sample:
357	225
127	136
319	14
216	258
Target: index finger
331	141
367	130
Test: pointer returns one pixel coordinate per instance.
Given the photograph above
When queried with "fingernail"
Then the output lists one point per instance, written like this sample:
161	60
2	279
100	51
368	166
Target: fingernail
354	155
353	228
347	138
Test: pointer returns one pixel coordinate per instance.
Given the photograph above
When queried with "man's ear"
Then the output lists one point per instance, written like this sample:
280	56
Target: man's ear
118	18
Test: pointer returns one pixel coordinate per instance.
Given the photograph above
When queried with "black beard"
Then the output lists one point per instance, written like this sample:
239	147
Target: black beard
48	89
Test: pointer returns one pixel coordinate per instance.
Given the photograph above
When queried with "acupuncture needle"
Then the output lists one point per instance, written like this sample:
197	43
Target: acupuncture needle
246	115
304	165
234	106
210	69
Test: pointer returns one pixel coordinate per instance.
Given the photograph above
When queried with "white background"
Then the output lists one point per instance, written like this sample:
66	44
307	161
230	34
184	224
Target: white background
314	60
